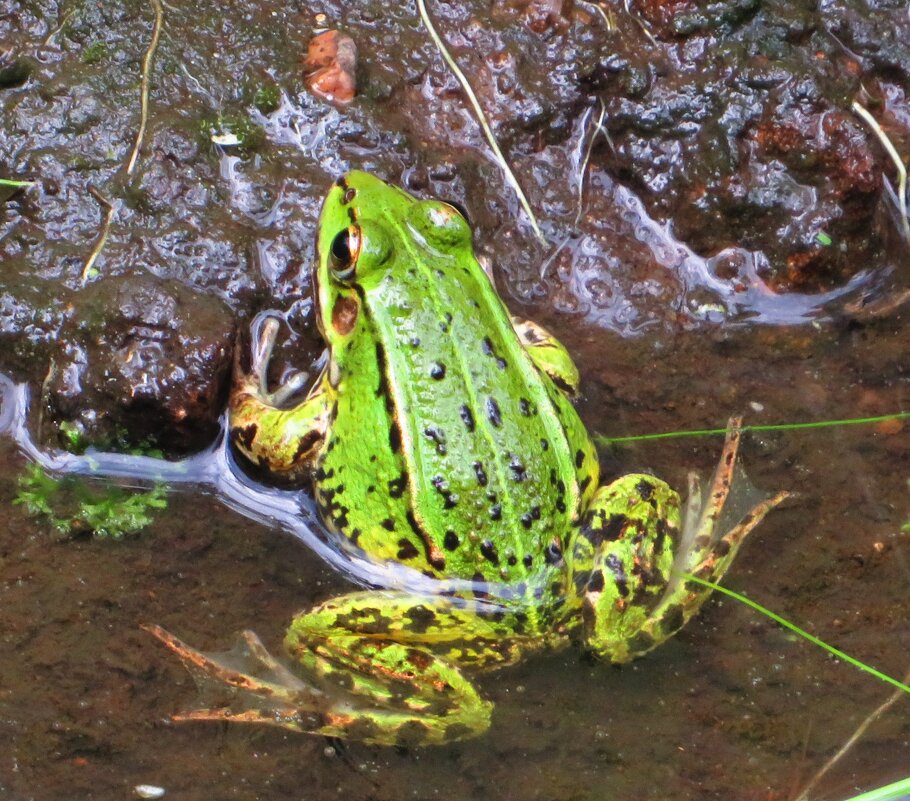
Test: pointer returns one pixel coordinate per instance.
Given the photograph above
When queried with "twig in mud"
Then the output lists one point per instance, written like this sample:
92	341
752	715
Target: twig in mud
789	624
608	18
146	77
895	157
102	238
52	35
10	187
545	265
641	23
598	128
481	117
852	740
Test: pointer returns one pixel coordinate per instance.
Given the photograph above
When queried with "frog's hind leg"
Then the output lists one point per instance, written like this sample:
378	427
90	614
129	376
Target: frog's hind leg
293	704
383	667
633	551
400	658
283	441
548	354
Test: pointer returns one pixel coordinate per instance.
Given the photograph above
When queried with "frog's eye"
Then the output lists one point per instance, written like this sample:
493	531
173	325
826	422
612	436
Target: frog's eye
359	251
344	253
440	224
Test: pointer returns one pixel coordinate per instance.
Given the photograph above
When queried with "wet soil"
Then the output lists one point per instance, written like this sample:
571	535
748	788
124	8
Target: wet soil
728	246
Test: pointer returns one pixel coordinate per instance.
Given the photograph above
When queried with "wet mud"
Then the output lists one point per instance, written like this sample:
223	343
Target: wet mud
721	239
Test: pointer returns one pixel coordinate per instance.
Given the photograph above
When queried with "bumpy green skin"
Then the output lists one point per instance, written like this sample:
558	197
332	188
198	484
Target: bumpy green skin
440	436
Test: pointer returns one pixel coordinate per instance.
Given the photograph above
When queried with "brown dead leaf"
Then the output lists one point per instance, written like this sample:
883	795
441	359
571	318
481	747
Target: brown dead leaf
330	64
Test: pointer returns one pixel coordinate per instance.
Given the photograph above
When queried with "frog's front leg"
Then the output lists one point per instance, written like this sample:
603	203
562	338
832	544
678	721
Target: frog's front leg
548	354
283	441
382	667
632	553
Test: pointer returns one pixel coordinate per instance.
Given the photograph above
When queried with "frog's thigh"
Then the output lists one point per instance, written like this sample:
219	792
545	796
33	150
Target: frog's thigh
397	659
282	441
548	354
627	542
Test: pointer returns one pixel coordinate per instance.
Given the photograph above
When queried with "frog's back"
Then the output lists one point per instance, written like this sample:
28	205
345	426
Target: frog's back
465	462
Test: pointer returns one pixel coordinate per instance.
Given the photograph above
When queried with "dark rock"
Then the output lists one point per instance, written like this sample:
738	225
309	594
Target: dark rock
744	138
32	312
14	71
142	362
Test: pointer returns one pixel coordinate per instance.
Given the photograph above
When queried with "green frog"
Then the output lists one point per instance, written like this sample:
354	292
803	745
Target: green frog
441	436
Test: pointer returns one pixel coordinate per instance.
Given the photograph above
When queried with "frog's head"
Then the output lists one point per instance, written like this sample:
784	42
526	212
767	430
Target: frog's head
369	230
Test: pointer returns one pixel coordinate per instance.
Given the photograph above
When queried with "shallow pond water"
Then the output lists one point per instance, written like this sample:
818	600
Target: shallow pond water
668	335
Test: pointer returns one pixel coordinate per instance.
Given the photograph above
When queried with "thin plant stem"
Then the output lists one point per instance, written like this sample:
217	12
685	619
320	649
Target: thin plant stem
609	23
146	79
598	127
898	163
53	34
641	23
481	118
853	740
801	632
707	432
102	239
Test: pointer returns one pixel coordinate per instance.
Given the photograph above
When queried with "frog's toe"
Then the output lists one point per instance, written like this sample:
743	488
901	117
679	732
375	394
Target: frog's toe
294	384
264	335
714	529
248	685
720	554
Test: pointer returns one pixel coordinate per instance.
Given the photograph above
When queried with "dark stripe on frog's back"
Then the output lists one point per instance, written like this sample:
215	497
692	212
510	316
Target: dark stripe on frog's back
466	449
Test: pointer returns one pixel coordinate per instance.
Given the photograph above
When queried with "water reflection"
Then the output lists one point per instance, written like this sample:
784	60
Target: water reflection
215	470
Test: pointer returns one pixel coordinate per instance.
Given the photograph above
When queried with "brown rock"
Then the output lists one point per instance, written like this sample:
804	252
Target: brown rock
141	361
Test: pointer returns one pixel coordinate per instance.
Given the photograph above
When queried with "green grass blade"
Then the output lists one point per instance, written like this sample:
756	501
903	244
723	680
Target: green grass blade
706	432
801	632
15	184
891	792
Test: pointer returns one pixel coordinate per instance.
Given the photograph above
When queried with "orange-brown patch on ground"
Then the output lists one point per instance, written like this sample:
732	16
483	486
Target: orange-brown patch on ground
330	64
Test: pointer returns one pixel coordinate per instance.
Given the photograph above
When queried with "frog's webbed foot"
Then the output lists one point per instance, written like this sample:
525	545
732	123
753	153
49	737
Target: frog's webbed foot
377	667
714	528
548	354
283	441
291	702
636	553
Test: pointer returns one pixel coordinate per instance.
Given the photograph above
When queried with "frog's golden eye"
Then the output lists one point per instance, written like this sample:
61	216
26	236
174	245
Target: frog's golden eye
344	253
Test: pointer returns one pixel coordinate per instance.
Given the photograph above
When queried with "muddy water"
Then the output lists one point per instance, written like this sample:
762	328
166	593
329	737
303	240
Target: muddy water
657	275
